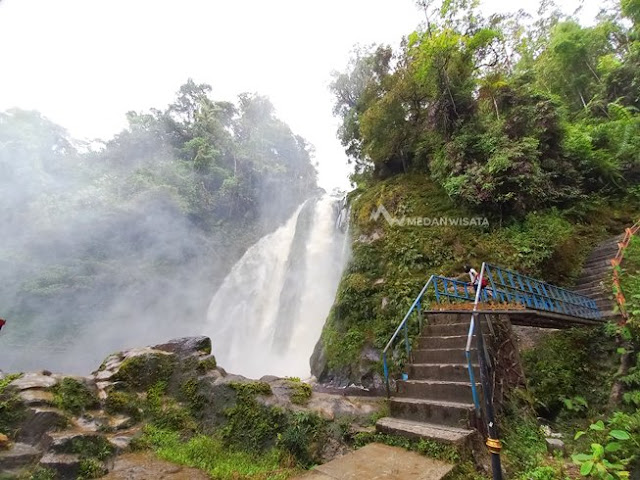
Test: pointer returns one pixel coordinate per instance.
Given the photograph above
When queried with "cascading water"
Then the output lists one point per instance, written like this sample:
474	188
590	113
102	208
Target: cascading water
268	314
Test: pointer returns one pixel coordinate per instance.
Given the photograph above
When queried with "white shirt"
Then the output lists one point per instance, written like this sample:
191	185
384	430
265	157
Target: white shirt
474	275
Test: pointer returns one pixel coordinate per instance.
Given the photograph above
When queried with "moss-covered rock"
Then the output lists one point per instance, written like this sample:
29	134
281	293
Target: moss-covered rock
145	368
74	396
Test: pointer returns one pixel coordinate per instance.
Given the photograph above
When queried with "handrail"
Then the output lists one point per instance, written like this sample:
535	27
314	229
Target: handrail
615	262
525	290
415	303
493	440
539	295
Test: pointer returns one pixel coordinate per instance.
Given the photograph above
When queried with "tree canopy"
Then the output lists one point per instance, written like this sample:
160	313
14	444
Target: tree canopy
508	113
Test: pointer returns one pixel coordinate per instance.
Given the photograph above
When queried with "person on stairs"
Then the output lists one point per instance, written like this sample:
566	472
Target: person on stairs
474	276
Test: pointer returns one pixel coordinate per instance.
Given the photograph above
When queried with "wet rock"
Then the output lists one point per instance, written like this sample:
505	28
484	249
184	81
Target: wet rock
19	455
62	442
555	445
4	442
89	423
37	397
66	465
120	422
187	346
143	466
121	441
367	239
38	421
34	380
142	368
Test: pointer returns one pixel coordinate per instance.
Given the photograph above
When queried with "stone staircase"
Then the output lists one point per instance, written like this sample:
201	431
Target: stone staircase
595	280
435	402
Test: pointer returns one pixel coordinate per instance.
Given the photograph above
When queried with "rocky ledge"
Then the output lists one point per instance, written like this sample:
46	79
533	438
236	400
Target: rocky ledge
75	427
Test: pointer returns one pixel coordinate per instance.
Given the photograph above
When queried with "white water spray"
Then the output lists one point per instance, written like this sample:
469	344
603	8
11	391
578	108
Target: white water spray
269	312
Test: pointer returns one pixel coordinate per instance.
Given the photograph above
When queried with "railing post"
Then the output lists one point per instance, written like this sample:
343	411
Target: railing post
493	442
385	368
406	340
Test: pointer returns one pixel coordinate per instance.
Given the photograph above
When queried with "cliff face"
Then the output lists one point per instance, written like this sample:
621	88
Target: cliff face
421	231
77	427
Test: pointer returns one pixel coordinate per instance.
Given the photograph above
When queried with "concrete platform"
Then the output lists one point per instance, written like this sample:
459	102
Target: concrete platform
376	461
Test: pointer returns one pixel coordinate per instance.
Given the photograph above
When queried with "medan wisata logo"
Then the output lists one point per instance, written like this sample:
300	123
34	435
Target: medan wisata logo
427	221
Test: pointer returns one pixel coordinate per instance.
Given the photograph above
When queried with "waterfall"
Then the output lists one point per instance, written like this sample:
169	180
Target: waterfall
268	314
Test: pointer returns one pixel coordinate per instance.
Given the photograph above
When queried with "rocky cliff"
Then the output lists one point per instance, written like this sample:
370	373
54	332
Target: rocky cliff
68	427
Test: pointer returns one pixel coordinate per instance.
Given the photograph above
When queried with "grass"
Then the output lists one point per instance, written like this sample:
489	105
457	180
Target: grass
73	396
210	455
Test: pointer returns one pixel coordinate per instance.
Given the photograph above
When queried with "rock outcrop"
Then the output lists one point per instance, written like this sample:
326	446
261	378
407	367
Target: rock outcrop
69	425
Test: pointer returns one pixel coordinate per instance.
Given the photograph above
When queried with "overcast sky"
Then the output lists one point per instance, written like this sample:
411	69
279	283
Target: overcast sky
85	63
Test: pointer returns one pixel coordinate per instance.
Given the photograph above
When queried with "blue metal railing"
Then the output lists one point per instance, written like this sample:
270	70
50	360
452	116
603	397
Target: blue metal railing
507	286
502	286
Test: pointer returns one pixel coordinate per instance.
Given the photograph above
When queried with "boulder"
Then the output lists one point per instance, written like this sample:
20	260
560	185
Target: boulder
66	465
38	421
555	445
19	455
187	346
34	380
36	398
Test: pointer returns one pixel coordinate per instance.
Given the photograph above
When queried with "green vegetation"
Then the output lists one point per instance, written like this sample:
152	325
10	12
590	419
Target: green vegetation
143	371
73	396
90	468
221	174
390	264
576	384
12	409
207	364
212	456
507	116
123	402
300	391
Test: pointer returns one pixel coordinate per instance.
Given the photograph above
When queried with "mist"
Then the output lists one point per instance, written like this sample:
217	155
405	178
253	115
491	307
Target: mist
121	243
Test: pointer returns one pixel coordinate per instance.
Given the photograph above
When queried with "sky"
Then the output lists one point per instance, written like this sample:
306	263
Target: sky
85	63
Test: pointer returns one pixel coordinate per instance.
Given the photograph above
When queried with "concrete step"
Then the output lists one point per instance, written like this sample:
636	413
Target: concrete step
440	412
595	275
441	355
602	282
446	318
428	431
436	390
448	341
19	455
457	372
446	330
601	262
590	291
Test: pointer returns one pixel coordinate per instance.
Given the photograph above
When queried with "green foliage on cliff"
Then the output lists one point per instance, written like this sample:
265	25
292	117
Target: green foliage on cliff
391	263
555	380
505	114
